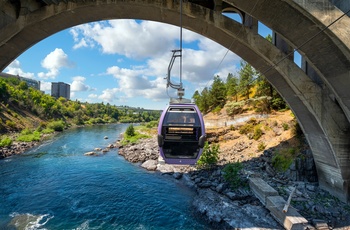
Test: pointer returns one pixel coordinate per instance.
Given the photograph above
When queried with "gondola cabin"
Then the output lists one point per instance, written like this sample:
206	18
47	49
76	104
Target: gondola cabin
181	134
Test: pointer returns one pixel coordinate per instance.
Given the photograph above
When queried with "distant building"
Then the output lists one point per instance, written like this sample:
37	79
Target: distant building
30	82
60	89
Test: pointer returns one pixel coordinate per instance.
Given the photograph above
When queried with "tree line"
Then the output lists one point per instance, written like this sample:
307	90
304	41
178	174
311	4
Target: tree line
15	95
246	85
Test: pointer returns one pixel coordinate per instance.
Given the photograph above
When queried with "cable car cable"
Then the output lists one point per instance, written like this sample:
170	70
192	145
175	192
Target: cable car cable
297	48
233	41
287	55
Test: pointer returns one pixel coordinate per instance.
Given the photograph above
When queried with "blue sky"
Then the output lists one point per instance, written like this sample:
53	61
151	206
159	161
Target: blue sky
124	62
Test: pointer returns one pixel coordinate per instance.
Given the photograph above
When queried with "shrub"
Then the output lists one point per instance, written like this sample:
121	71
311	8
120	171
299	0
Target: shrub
152	124
285	126
26	131
283	159
130	131
216	110
5	141
133	139
261	146
56	125
11	124
234	108
210	155
35	136
245	129
231	174
47	131
257	132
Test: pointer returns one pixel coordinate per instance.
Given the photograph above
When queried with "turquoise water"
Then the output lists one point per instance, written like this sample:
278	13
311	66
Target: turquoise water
55	186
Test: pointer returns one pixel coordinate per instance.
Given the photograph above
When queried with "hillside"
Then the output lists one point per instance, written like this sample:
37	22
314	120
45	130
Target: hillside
15	119
248	134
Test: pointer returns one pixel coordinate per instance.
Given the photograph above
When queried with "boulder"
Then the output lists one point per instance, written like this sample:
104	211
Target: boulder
150	165
90	154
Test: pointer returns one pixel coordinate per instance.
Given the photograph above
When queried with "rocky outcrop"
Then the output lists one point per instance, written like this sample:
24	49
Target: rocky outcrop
16	148
145	150
226	208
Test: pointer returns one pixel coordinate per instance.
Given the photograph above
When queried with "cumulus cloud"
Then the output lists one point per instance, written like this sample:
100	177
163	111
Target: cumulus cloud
45	86
53	62
152	43
15	69
93	96
109	95
78	85
127	37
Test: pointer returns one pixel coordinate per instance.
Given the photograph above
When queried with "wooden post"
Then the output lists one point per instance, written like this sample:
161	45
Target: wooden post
286	206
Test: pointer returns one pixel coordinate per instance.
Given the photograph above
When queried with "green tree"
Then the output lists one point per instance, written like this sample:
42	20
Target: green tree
130	131
202	100
217	94
246	76
232	86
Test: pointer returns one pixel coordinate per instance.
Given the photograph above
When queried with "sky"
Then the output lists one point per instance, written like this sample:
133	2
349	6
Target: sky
124	62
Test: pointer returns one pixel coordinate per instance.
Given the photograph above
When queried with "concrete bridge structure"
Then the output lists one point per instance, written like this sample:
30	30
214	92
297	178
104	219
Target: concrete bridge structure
318	92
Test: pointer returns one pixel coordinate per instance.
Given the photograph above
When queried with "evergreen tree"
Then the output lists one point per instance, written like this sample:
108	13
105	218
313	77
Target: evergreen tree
232	86
217	94
246	76
264	88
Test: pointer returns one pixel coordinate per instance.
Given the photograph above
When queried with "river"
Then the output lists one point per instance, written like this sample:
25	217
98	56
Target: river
54	186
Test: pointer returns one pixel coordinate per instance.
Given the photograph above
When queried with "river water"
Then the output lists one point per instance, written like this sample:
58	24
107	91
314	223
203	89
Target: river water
54	186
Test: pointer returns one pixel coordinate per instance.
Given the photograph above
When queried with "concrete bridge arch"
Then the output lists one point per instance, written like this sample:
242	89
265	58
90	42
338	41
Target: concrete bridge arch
318	93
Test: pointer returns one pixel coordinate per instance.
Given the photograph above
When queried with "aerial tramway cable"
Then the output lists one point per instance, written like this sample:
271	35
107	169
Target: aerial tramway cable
287	55
181	130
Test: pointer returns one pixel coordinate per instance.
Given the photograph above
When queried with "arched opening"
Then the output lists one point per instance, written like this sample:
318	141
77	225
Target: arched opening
306	100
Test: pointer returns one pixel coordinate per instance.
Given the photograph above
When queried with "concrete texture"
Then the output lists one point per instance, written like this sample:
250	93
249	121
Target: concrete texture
274	203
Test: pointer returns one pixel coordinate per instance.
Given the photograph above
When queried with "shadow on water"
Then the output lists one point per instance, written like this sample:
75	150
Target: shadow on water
35	155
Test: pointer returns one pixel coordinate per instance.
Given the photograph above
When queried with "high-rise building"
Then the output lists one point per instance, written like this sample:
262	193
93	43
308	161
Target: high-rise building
30	82
60	89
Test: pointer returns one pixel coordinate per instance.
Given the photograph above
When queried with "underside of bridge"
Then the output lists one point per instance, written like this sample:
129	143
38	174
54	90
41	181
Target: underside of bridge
318	93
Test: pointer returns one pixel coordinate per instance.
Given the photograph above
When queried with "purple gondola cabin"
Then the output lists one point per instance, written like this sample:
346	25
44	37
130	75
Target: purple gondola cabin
181	134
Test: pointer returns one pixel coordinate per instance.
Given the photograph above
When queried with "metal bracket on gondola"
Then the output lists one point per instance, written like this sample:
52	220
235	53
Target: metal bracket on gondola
180	89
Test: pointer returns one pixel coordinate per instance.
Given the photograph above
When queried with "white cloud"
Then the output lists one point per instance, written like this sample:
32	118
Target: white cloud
45	86
109	95
53	62
72	94
127	37
93	96
79	85
15	69
153	42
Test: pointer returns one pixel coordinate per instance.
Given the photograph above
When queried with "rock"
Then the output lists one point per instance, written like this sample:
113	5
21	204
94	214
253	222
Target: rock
165	168
105	137
205	184
105	150
90	154
220	188
231	195
270	171
97	149
177	175
150	165
197	180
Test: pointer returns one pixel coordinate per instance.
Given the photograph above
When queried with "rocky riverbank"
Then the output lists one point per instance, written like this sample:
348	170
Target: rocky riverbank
227	209
16	148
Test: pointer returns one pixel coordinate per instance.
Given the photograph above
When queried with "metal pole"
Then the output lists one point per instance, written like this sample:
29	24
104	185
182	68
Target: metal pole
181	43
